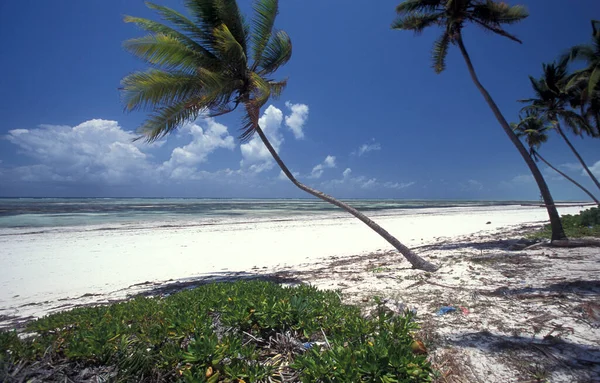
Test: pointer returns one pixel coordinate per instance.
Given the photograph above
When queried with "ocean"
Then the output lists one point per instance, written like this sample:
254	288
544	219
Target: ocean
21	215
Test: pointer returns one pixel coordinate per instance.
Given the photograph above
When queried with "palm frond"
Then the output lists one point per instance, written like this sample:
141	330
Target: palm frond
576	123
277	52
206	17
249	121
495	29
155	88
440	51
230	50
410	6
594	79
167	51
165	120
179	20
416	22
277	88
265	12
497	13
231	16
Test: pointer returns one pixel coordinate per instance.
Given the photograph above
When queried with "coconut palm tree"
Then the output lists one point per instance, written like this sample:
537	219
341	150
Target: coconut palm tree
209	65
534	130
590	55
451	16
552	102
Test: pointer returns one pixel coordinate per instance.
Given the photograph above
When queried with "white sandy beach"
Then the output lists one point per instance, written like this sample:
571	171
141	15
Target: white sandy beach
42	271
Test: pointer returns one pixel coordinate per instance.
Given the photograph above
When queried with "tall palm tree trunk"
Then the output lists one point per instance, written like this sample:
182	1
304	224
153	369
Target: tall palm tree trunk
558	232
538	155
564	136
416	261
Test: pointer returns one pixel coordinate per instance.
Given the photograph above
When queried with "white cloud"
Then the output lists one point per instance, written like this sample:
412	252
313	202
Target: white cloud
255	155
318	170
295	121
93	151
367	147
595	169
346	173
184	160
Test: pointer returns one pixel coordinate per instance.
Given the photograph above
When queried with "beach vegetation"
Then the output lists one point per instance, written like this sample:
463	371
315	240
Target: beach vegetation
212	63
244	331
584	224
452	16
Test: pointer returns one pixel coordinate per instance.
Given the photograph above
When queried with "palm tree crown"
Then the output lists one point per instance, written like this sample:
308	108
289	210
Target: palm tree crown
533	129
209	64
451	15
553	98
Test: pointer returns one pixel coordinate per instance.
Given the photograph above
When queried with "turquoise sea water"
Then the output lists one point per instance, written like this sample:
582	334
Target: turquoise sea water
106	213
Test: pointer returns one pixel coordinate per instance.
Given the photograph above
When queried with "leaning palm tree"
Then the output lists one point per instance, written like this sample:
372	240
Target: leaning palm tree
534	130
209	65
552	102
451	16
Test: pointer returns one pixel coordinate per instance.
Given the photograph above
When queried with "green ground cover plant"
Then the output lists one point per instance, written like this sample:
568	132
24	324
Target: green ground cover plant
584	224
245	331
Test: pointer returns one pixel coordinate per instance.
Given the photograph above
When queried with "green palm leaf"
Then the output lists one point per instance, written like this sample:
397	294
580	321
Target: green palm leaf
265	12
439	53
179	21
166	51
230	15
277	52
155	88
416	22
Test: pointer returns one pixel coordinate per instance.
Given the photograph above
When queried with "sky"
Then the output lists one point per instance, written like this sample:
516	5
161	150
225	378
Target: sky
363	115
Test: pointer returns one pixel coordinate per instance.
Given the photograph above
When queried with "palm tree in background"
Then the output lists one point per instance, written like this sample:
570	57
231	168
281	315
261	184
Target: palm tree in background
551	101
534	130
451	16
209	65
587	80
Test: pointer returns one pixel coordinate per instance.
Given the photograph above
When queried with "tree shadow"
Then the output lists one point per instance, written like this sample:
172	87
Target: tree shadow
499	244
581	287
553	355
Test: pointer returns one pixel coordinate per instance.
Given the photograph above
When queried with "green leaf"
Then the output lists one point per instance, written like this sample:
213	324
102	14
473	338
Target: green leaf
166	51
417	22
440	51
265	12
277	52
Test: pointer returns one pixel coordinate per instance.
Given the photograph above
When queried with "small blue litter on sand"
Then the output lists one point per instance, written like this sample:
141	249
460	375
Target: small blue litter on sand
445	310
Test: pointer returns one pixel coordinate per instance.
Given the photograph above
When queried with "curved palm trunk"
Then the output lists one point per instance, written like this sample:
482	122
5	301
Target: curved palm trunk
558	232
564	136
416	261
567	177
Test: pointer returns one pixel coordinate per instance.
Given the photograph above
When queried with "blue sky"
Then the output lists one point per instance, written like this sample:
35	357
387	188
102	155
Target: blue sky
363	116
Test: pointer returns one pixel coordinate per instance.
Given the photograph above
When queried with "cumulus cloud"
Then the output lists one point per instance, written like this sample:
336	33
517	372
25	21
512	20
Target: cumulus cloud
346	173
184	160
318	170
93	151
296	120
255	155
367	147
595	169
101	152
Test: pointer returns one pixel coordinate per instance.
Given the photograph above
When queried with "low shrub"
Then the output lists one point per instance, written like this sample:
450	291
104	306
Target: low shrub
246	331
